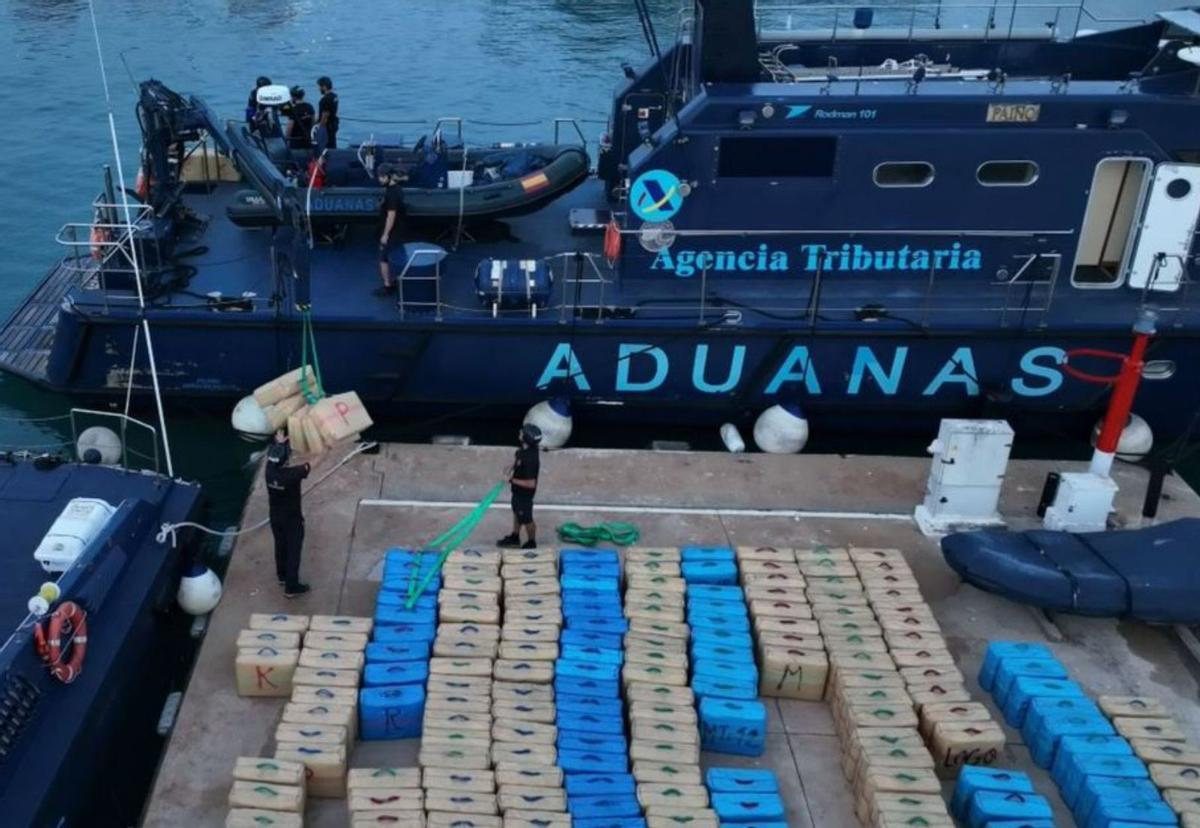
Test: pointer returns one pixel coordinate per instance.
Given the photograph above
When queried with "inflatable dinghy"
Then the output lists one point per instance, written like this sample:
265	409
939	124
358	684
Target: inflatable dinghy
1149	574
490	183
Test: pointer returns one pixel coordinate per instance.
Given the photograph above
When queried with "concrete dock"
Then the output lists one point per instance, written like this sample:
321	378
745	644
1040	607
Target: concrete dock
408	494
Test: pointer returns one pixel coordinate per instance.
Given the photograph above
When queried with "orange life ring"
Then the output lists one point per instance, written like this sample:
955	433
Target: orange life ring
612	242
69	622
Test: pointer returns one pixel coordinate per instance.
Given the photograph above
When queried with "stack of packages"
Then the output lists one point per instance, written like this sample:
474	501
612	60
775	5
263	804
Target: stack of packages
266	792
791	653
724	675
592	748
529	783
1173	763
268	653
994	796
393	695
389	797
665	746
321	739
1090	748
747	797
883	756
316	427
456	735
957	730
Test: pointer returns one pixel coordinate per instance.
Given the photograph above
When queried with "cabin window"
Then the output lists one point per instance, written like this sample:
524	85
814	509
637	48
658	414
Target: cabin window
1007	173
1108	231
776	157
904	174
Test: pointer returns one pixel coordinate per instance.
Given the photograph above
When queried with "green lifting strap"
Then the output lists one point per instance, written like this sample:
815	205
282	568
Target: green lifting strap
309	342
615	532
447	542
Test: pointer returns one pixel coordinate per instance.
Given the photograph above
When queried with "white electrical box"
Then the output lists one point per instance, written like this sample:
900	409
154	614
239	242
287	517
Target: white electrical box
970	458
1082	503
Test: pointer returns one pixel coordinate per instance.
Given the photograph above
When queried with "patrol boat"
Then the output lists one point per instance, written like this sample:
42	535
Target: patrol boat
874	216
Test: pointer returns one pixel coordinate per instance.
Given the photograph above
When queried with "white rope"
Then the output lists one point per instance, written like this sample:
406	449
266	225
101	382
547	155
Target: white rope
133	253
168	530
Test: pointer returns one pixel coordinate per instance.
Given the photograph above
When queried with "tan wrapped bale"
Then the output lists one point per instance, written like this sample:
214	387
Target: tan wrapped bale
523	798
324	694
454	819
347	641
332	659
268	638
676	773
1149	728
459	780
460	802
312	434
522	818
1180	777
1165	752
267	796
665	816
536	776
284	386
360	779
260	818
324	677
1132	706
325	766
312	734
279	622
295	429
267	769
386	799
793	672
340	416
387	819
265	671
281	412
955	744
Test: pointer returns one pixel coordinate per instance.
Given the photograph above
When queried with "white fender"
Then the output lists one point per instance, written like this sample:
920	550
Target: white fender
781	429
199	590
1137	439
553	417
732	438
250	420
103	440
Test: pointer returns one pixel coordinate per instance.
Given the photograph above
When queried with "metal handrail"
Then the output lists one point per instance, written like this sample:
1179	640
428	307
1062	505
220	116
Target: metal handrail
436	255
125	421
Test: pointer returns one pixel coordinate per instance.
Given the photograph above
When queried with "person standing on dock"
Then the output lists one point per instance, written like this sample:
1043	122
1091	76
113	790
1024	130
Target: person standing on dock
523	475
286	516
391	216
327	111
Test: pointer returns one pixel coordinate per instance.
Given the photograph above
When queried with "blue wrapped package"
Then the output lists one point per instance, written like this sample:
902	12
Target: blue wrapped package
707	553
1025	688
577	685
600	655
1085	765
730	622
996	806
600	554
725	638
582	761
591	723
607	806
611	822
709	572
1000	650
379	653
399	598
738	671
595	609
743	807
1104	799
600	784
1010	668
974	778
608	626
396	672
599	583
598	670
1043	742
391	712
719	652
710	686
386	616
404	633
592	742
738	727
1071	746
741	780
602	569
594	705
584	638
715	593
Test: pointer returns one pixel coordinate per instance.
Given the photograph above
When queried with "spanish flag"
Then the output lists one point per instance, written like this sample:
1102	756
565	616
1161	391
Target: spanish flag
534	182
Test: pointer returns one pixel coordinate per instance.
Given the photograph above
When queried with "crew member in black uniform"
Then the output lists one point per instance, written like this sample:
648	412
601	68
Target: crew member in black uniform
327	111
252	103
287	519
391	219
523	475
302	118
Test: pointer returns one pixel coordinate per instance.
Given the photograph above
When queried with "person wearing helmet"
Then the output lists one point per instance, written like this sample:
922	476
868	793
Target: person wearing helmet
252	103
286	516
523	475
302	117
391	216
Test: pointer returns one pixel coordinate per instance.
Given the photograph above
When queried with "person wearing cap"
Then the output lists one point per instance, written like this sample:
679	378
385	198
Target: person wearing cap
391	214
302	117
286	516
523	475
252	103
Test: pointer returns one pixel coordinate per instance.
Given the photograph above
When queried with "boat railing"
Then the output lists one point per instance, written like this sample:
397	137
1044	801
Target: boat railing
419	284
856	20
453	126
127	428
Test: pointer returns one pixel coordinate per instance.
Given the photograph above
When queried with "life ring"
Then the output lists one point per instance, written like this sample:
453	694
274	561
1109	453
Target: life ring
65	630
612	242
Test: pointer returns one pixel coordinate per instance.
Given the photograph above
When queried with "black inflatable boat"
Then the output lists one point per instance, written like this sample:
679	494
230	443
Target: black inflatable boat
489	183
1149	574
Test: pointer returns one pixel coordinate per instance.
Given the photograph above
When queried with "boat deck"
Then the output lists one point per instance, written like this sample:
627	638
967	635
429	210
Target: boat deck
27	336
408	494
